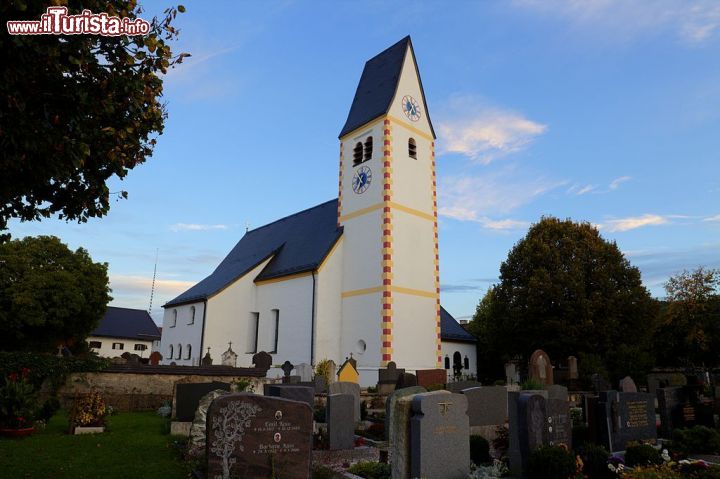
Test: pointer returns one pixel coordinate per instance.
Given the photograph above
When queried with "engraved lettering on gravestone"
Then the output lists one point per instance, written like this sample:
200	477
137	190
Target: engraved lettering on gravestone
637	414
444	406
229	429
688	413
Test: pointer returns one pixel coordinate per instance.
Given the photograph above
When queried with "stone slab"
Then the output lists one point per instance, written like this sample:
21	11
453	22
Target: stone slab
188	395
293	392
340	426
487	405
345	387
431	377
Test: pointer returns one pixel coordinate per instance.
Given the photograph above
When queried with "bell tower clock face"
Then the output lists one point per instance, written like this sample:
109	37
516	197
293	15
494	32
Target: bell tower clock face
361	180
411	108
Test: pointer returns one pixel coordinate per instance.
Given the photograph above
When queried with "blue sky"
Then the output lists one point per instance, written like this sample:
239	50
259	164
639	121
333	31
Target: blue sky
606	111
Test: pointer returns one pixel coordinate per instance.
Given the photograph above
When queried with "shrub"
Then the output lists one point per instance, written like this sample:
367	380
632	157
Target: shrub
595	460
322	472
88	410
530	385
713	472
371	470
642	455
551	462
48	409
479	450
697	440
17	401
49	366
651	472
319	414
580	434
435	387
501	441
363	410
322	369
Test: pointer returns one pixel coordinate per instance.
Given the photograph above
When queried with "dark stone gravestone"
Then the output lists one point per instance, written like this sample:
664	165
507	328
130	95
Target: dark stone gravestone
155	358
439	436
528	427
340	426
390	406
207	359
540	368
387	378
290	391
680	408
397	428
291	379
320	385
487	405
431	377
287	368
254	437
353	389
406	380
458	386
591	417
559	423
188	395
262	360
625	417
599	383
627	385
572	368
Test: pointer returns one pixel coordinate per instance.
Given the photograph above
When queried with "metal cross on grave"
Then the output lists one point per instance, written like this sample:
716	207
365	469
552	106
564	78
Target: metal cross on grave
444	406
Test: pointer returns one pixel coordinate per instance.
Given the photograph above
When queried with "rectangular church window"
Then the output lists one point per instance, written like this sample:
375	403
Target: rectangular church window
253	333
95	344
276	329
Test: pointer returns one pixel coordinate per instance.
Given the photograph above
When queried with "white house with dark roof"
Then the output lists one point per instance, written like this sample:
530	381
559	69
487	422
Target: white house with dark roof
124	330
358	274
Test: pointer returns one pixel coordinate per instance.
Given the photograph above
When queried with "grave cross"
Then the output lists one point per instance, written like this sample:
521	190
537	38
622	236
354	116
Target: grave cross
444	406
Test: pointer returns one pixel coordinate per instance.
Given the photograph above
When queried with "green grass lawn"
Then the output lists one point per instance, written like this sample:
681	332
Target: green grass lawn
135	446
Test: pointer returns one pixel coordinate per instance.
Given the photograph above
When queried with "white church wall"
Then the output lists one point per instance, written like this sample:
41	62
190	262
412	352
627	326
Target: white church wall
409	172
229	318
413	332
362	251
182	332
292	298
414	248
465	349
329	306
362	319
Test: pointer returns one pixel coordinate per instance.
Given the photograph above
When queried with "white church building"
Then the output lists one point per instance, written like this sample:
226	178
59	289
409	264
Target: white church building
358	274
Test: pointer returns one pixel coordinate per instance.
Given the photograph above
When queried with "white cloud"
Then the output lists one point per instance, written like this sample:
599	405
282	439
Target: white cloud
196	227
581	190
129	285
486	133
615	184
633	222
693	21
712	218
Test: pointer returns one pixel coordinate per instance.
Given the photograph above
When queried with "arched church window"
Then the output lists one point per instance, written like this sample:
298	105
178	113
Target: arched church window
412	148
174	319
179	352
189	352
457	364
466	363
170	349
358	153
368	148
192	316
447	362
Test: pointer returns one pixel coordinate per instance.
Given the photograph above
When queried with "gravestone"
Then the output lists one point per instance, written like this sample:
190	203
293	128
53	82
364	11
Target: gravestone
207	359
253	437
353	389
431	377
512	375
559	422
340	427
399	445
625	417
458	386
294	379
627	385
406	380
679	408
155	358
439	436
487	405
305	371
572	368
287	368
290	391
599	383
188	395
528	427
540	368
196	443
229	357
320	385
390	409
262	360
387	378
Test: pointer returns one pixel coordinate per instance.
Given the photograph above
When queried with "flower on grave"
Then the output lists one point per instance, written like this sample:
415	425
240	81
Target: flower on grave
89	410
17	401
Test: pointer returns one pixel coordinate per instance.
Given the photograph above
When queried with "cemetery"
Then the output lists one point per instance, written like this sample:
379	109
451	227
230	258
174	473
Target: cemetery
307	423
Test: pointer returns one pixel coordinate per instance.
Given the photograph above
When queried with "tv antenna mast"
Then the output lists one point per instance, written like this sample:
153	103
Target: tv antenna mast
152	288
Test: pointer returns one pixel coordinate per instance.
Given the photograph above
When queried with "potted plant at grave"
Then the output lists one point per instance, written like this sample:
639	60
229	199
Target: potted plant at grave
88	414
17	405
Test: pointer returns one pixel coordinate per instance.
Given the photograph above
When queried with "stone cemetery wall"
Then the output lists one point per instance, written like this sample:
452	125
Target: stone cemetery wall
252	437
149	389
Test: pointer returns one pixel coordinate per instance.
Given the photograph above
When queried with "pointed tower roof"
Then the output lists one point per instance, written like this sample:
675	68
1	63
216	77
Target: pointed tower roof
378	86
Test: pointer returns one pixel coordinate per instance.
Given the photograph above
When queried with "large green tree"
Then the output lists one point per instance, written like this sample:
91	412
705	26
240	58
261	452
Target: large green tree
49	295
76	110
689	334
566	290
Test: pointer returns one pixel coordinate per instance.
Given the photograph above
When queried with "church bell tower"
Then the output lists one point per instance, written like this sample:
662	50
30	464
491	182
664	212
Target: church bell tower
388	209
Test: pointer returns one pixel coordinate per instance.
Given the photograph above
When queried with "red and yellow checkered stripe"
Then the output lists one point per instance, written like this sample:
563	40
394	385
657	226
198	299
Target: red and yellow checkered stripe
340	185
437	257
387	275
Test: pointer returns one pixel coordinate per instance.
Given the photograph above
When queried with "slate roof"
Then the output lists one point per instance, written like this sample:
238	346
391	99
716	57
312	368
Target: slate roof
378	85
127	323
299	243
450	329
